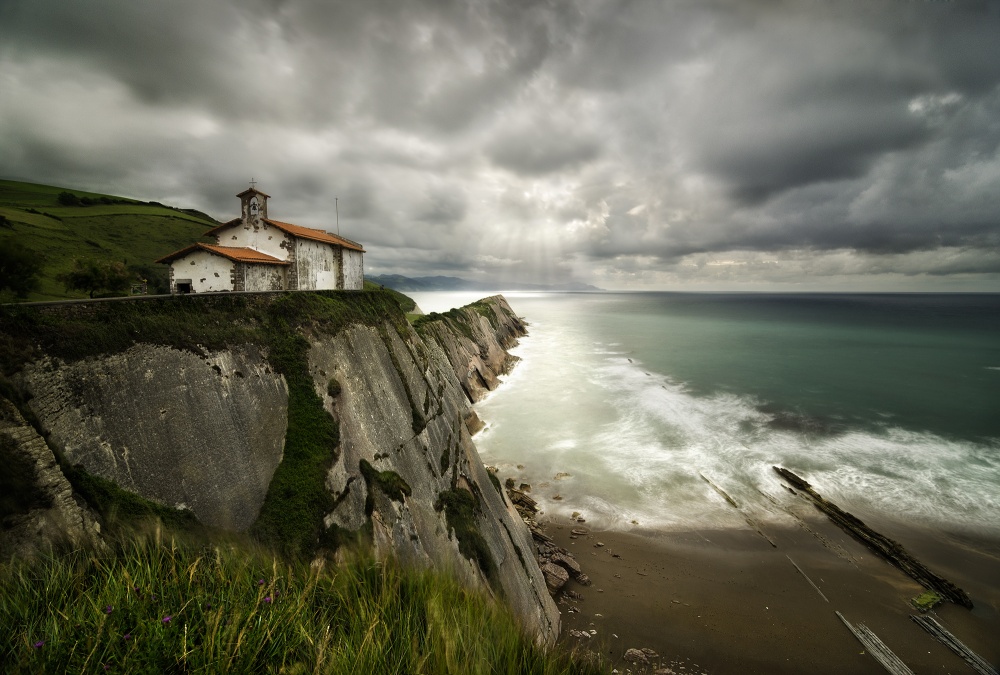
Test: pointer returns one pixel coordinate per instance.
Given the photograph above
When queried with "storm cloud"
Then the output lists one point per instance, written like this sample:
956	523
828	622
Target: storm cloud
625	143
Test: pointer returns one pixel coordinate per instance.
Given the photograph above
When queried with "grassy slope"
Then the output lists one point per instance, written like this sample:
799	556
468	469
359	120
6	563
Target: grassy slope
135	232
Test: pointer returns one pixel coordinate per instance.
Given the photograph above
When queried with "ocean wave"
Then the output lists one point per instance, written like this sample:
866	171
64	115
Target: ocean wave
666	438
641	446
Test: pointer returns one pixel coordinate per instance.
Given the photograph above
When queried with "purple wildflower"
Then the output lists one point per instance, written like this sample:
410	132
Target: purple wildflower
166	619
106	666
38	645
268	599
108	609
127	636
135	588
260	582
208	605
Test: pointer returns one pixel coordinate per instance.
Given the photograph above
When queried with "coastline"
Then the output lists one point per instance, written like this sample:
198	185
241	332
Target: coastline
726	601
721	598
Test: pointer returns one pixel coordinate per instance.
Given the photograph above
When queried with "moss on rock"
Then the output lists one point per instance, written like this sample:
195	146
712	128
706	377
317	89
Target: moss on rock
460	507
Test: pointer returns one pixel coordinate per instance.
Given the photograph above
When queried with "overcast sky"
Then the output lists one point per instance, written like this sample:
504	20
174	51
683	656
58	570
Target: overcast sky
675	144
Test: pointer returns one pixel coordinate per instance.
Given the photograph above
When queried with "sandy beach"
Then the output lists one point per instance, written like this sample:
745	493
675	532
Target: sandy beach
727	601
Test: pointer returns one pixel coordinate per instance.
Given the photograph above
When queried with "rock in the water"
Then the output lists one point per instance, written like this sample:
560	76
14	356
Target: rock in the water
890	550
635	656
555	576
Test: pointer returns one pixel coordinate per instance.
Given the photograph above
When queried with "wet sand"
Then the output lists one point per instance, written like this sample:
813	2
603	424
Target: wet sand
727	601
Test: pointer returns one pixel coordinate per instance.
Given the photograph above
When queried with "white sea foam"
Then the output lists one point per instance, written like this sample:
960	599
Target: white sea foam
637	444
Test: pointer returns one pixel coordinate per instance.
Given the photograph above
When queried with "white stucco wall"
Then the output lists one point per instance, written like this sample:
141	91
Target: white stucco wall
265	238
354	270
264	277
317	265
206	271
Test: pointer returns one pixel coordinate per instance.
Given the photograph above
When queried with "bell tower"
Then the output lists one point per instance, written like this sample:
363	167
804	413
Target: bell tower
253	206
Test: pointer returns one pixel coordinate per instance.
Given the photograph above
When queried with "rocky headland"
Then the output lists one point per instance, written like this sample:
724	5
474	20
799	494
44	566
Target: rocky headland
310	420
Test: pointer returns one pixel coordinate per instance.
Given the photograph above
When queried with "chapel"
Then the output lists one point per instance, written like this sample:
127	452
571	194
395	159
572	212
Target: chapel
256	253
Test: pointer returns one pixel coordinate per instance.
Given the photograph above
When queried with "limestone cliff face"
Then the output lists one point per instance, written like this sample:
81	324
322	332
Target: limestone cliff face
205	430
48	514
403	411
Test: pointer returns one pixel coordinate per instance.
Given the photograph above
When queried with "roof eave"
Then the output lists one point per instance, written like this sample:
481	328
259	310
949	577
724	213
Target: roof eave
167	259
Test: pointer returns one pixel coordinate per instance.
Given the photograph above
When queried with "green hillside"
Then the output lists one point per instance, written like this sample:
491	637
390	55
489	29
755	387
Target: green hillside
88	225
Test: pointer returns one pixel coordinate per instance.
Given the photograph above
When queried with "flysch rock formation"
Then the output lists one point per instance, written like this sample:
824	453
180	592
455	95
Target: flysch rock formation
479	357
50	514
404	409
204	430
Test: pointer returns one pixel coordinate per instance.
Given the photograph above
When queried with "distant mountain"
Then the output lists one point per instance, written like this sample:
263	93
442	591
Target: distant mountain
441	283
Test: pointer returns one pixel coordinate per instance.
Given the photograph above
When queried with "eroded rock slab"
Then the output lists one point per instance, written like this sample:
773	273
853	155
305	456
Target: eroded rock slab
44	513
198	431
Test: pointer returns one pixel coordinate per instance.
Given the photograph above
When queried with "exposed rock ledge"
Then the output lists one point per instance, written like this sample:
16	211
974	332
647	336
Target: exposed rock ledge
49	512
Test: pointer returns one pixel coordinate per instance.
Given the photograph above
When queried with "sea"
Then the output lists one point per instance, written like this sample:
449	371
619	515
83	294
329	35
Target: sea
637	409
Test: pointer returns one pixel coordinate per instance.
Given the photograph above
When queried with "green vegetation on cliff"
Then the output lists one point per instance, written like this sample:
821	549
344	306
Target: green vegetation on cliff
460	508
59	226
405	302
152	605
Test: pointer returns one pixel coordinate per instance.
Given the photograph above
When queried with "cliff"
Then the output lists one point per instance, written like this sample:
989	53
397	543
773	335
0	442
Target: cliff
307	419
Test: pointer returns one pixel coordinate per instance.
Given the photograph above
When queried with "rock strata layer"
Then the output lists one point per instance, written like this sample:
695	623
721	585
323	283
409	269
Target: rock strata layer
404	408
43	513
886	548
198	431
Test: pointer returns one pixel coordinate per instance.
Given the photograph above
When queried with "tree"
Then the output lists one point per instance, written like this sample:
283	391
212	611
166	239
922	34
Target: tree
19	269
91	276
68	199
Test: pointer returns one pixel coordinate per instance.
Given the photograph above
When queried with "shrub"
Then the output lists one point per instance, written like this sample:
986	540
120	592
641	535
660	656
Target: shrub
19	269
91	276
68	199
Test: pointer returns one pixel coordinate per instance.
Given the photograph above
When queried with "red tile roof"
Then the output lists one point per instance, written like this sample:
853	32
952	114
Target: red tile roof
298	231
316	235
247	255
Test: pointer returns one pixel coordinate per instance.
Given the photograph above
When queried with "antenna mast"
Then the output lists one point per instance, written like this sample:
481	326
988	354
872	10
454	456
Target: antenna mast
336	205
